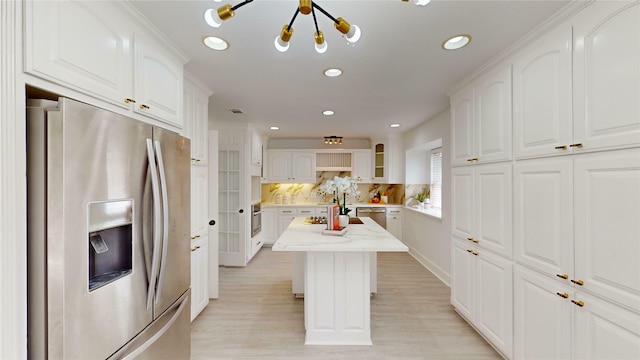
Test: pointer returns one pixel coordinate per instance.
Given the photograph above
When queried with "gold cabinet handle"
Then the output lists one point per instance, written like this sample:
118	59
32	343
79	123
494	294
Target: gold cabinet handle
562	147
129	101
472	159
475	253
194	159
469	251
578	145
195	237
472	239
563	295
195	248
143	106
562	276
578	282
578	303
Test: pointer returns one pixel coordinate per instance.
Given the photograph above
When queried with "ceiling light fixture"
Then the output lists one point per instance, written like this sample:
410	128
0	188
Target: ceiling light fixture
328	112
215	43
352	33
333	72
396	125
333	140
456	42
274	128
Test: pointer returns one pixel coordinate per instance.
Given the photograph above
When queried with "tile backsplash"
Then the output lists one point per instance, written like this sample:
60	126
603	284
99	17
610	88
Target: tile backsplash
308	193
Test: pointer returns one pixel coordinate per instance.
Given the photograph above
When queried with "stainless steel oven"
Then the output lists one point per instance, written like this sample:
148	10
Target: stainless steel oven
256	219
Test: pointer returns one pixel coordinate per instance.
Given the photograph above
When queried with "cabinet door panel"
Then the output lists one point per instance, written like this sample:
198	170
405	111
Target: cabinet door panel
606	73
493	117
463	214
83	45
605	331
542	96
607	213
462	279
494	300
462	137
362	165
158	83
303	165
542	318
543	215
199	200
278	166
493	209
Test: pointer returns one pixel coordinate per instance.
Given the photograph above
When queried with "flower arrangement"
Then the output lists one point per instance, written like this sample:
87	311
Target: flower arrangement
341	186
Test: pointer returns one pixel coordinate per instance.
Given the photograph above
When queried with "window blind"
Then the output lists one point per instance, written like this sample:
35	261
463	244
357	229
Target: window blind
436	178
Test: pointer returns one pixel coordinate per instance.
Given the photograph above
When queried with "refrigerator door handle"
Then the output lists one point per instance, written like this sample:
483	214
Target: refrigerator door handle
144	346
156	223
165	217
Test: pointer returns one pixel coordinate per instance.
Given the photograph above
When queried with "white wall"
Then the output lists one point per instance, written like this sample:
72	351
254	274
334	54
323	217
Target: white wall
429	238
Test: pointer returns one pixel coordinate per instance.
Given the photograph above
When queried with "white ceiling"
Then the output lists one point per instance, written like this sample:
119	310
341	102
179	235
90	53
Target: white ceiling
396	73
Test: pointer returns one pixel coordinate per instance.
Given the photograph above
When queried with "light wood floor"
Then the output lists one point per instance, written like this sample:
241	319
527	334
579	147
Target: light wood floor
257	317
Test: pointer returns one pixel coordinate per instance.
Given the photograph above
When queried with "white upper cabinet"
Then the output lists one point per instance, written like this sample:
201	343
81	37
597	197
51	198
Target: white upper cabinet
542	118
361	165
158	82
84	45
481	120
606	71
388	160
256	148
297	166
94	48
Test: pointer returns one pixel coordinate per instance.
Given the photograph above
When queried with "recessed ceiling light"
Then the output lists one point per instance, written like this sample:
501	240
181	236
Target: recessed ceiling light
333	72
456	42
422	2
328	112
215	43
274	128
394	125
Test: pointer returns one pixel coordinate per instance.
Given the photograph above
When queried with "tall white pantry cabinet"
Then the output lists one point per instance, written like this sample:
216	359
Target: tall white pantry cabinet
546	243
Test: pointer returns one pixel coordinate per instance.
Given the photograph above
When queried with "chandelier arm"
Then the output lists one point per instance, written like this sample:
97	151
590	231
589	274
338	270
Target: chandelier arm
293	18
324	12
245	2
314	20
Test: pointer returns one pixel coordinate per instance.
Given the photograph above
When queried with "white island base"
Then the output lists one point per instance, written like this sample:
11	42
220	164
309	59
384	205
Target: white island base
337	298
337	278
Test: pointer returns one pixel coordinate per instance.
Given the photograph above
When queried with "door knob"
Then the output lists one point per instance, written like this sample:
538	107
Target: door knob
241	211
212	222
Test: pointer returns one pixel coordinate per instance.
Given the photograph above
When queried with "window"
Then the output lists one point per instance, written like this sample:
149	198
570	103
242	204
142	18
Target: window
436	178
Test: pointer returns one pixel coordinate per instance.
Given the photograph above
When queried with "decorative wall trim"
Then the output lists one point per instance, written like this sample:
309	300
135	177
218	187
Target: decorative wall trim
13	312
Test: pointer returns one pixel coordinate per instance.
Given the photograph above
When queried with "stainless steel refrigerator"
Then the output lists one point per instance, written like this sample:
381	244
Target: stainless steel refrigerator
108	235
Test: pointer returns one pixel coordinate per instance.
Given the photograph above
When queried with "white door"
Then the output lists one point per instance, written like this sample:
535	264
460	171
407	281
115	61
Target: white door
542	316
607	224
543	215
493	208
232	201
214	225
463	278
605	331
542	118
462	136
494	299
606	75
492	116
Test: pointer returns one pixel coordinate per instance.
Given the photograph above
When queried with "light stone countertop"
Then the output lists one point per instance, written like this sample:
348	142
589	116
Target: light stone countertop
349	205
368	236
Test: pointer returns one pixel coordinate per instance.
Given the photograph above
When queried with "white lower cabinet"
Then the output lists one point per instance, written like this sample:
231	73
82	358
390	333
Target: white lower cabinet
481	291
394	222
256	244
556	321
199	275
270	226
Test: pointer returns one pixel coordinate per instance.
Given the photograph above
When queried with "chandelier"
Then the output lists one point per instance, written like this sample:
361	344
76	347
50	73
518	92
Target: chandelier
333	140
351	32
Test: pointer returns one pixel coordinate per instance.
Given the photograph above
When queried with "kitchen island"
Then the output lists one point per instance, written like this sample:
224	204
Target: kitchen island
337	278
